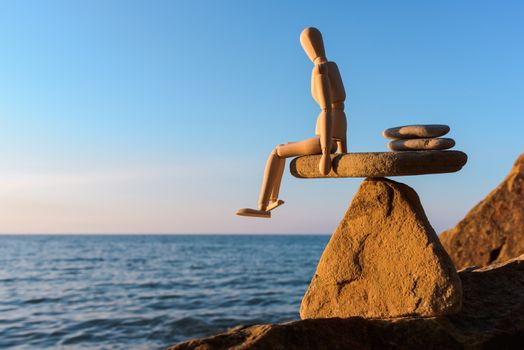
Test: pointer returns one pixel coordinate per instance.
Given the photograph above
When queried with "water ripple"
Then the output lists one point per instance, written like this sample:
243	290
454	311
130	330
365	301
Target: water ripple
144	292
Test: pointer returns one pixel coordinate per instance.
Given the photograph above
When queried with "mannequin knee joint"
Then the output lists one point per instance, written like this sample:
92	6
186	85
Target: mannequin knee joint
276	151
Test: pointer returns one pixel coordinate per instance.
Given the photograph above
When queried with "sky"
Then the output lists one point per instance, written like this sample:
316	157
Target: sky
158	116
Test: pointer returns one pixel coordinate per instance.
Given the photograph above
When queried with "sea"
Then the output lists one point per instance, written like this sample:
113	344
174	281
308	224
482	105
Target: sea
147	291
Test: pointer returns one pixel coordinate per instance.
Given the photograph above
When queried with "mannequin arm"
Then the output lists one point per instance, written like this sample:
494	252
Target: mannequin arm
325	118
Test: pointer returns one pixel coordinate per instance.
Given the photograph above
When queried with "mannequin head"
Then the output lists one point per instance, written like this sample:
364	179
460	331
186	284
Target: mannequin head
312	43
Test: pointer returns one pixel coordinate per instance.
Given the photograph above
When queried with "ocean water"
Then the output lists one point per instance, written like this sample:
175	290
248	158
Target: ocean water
147	291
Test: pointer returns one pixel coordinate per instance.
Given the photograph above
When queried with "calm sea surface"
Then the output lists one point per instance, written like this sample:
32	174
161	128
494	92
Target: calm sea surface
146	292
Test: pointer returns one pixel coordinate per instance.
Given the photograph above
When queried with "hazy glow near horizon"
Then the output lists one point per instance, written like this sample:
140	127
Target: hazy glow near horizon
157	117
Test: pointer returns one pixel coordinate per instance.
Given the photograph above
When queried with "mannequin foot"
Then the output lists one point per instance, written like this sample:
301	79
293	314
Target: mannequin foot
274	205
254	213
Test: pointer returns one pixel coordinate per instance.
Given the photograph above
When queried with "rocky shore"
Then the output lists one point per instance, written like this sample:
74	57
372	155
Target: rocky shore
386	281
492	317
493	231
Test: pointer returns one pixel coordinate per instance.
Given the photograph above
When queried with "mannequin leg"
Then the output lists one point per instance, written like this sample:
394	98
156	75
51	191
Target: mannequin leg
270	178
342	146
276	186
275	167
301	148
273	174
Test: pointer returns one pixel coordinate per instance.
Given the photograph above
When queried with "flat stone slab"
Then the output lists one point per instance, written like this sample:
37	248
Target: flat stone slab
381	164
416	131
421	144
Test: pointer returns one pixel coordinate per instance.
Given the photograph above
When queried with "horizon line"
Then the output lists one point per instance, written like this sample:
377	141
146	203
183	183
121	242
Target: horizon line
158	234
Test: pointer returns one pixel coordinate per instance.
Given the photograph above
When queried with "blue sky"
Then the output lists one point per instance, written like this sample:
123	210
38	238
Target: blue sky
158	116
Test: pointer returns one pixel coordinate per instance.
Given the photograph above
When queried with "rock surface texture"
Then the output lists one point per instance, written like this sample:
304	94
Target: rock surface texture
416	131
493	230
421	144
492	317
380	164
384	260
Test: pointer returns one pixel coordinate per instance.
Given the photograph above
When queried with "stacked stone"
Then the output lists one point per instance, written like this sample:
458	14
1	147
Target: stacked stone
385	260
418	138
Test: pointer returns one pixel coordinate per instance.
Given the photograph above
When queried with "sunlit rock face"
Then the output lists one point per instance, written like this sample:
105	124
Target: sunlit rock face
384	260
493	231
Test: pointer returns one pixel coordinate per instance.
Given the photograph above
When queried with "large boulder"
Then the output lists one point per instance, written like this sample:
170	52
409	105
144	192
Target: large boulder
384	260
493	231
492	317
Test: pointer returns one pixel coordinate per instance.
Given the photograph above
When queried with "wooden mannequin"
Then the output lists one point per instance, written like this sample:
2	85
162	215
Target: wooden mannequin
328	91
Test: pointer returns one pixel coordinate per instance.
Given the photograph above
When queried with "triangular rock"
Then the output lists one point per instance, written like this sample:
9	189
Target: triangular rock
493	231
384	260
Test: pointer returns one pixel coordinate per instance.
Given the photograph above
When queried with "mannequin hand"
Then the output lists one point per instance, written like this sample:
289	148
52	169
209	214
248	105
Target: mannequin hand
325	164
